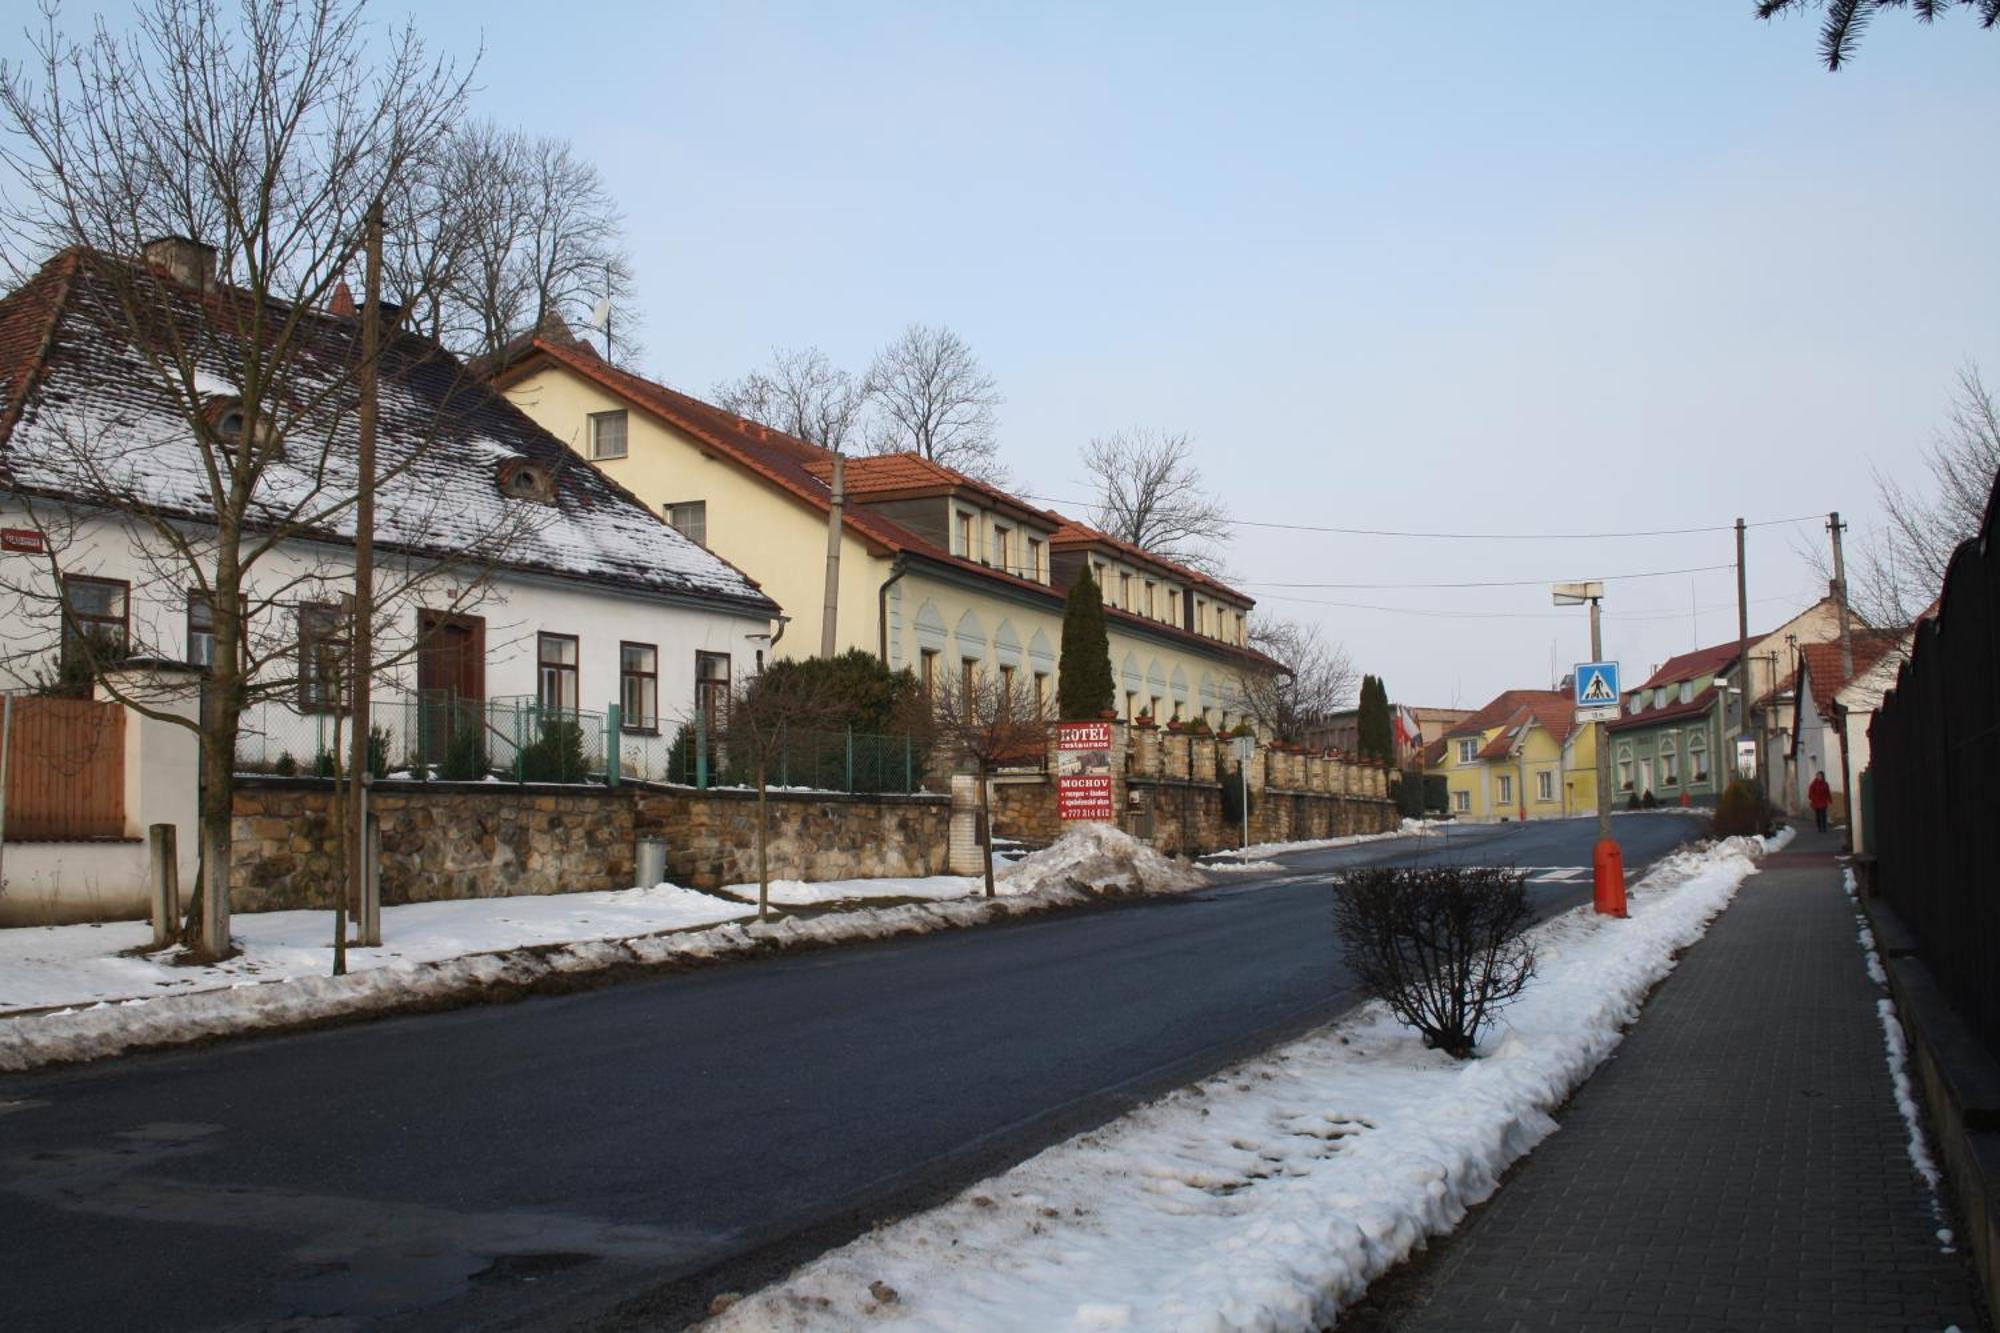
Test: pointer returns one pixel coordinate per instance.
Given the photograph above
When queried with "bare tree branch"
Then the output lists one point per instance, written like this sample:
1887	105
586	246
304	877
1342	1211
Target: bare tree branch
801	393
932	397
1320	679
1150	493
988	720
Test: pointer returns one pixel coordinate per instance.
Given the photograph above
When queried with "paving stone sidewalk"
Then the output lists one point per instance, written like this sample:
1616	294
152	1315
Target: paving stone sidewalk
1738	1164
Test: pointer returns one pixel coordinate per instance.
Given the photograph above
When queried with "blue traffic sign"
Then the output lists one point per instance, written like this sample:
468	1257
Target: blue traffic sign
1597	685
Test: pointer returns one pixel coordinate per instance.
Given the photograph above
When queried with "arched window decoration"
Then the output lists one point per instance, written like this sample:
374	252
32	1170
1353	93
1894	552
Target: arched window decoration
1670	769
1625	768
1697	758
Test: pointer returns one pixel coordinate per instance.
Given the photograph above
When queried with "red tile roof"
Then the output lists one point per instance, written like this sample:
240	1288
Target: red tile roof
1551	710
803	470
1072	535
1673	712
1503	706
1822	661
1700	662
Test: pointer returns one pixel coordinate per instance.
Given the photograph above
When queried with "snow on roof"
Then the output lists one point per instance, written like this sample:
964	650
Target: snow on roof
89	415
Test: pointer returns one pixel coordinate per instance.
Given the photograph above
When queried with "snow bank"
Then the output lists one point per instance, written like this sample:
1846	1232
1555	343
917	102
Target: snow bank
45	967
1410	828
474	948
819	893
1268	1196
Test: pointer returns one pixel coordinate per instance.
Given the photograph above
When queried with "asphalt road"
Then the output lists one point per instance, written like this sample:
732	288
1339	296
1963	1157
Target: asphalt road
611	1158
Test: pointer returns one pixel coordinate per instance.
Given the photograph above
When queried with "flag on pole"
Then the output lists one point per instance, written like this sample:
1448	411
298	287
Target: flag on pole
600	314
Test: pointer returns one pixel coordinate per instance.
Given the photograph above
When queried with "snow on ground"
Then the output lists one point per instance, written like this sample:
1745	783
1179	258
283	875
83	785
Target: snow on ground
1896	1050
1410	828
47	966
801	893
1269	1195
455	952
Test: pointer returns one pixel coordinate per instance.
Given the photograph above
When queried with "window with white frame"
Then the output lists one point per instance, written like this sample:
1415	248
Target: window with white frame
968	537
607	434
1468	751
1545	786
1625	768
1670	768
1461	800
690	519
1506	789
1697	758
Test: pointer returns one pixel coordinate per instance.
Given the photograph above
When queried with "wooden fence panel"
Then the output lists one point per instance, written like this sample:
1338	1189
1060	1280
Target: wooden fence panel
65	770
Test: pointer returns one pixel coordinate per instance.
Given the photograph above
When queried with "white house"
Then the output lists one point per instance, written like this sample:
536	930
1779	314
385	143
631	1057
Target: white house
506	571
1834	711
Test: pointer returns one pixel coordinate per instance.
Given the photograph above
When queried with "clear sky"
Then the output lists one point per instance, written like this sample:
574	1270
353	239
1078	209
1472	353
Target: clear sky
1466	268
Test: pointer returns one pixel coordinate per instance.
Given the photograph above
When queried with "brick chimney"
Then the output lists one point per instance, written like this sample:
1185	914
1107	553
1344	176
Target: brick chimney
190	263
342	301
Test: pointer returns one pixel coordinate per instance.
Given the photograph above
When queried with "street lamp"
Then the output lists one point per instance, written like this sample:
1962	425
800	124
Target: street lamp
1607	858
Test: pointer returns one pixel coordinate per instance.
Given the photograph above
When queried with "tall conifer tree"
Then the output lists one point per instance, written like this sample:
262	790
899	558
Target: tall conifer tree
1083	683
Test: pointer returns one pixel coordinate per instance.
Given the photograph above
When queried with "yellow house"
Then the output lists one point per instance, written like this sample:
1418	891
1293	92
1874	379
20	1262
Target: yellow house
1522	756
938	572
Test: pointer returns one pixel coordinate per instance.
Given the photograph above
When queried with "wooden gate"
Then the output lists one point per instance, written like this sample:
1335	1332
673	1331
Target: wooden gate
65	770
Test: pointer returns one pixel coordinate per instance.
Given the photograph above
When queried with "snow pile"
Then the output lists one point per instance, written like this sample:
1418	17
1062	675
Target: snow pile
1102	859
820	893
1269	1195
527	943
1410	828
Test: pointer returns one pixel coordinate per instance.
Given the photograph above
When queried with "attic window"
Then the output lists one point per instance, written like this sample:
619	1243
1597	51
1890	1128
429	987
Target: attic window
524	479
226	418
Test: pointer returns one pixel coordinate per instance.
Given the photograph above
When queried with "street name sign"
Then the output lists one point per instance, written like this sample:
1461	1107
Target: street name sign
1597	691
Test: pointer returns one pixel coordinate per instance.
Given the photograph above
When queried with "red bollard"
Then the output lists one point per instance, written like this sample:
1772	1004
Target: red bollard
1610	863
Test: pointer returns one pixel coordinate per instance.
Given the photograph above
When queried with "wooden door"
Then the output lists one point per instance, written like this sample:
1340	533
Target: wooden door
451	676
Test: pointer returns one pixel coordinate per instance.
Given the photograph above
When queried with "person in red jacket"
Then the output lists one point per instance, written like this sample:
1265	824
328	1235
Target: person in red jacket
1819	796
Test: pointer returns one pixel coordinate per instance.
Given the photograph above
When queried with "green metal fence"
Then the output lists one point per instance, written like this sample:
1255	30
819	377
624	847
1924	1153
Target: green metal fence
439	737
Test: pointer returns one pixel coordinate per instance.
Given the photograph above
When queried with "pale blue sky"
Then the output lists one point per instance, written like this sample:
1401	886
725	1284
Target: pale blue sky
1462	267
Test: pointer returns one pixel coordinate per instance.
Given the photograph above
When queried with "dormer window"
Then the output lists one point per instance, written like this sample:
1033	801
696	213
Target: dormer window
525	479
227	418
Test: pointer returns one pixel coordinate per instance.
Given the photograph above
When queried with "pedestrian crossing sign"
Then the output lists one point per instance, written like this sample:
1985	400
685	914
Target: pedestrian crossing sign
1596	691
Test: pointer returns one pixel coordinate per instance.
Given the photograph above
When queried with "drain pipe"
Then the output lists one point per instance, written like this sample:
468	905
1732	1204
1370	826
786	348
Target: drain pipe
896	572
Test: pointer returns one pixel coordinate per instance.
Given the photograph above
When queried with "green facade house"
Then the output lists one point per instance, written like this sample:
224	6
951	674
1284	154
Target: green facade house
1672	739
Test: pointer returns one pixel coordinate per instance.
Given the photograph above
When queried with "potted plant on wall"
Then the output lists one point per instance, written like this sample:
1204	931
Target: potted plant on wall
1145	719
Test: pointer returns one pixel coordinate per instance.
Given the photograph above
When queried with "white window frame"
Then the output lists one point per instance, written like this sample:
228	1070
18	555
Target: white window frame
1468	751
598	420
1545	785
680	512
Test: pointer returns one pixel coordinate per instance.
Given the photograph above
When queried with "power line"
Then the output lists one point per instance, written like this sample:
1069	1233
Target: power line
1488	583
1445	536
1432	614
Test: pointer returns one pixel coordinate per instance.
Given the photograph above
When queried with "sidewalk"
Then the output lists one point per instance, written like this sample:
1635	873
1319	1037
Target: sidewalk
1738	1164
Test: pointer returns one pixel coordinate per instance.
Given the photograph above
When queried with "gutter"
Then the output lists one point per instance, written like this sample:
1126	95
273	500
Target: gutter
897	569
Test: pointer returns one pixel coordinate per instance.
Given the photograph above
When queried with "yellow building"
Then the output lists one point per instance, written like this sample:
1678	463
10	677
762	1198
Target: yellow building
1522	756
938	572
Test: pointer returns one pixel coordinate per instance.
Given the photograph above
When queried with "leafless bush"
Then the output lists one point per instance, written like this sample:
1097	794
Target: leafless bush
1441	945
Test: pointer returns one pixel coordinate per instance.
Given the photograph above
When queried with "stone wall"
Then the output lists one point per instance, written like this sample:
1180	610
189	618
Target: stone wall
439	841
1167	788
711	836
490	840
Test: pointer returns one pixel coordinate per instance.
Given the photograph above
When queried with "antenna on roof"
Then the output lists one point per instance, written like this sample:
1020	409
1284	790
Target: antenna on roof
600	314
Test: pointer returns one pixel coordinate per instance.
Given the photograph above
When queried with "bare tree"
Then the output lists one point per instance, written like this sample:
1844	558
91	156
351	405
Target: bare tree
801	393
932	397
1318	678
1896	573
270	133
988	720
768	712
1150	493
535	233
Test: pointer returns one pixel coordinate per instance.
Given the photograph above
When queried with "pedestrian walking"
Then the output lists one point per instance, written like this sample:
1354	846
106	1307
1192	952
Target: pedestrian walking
1819	796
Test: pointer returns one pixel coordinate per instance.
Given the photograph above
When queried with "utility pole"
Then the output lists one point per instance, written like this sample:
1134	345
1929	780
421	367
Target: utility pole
830	613
1743	645
1607	858
1602	748
361	647
1835	527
